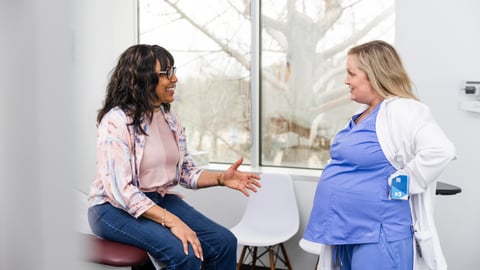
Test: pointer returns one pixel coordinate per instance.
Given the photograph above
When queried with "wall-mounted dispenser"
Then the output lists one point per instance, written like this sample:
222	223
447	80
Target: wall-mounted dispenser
471	96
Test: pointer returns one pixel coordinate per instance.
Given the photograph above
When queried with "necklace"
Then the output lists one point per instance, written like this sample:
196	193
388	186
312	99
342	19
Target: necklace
363	115
370	108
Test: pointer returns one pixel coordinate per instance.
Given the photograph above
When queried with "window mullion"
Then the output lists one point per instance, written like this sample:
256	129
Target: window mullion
255	84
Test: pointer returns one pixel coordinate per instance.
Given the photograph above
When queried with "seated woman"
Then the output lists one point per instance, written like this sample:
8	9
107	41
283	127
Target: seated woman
141	155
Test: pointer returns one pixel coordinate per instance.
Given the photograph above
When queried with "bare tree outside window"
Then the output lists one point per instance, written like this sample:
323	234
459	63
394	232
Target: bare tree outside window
304	101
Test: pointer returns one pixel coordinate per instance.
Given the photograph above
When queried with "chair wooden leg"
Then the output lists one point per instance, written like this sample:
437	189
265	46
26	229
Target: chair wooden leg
284	251
242	256
271	254
272	260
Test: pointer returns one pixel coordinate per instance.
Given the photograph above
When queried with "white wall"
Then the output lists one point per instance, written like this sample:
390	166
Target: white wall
37	138
103	29
438	41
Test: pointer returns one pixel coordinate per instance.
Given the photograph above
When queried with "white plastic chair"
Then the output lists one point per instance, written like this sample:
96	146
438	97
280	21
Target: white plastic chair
270	219
324	261
311	247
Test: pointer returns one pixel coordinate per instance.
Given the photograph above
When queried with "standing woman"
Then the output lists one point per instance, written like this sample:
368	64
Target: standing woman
355	212
141	155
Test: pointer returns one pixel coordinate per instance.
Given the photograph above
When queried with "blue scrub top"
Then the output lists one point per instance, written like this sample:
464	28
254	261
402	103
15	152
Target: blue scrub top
351	201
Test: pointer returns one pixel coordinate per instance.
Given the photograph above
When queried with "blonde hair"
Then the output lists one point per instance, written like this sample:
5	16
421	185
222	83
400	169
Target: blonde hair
384	69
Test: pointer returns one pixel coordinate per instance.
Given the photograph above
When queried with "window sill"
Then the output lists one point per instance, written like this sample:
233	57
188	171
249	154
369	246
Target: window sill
301	174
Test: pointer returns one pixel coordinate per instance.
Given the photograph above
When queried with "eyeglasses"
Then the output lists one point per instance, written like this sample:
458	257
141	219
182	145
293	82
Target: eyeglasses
169	72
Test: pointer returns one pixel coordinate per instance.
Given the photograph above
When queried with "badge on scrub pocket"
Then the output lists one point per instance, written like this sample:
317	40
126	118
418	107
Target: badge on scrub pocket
399	187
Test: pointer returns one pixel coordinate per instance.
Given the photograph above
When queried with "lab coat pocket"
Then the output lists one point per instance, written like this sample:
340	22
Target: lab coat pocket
325	260
425	248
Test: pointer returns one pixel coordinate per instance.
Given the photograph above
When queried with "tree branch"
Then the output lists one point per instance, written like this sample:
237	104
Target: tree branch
234	53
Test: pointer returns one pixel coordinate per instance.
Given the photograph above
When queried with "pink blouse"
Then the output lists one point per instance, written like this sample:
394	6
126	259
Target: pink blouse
158	169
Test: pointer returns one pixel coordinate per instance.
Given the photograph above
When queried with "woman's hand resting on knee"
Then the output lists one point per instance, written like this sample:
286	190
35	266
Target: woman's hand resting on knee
184	233
177	227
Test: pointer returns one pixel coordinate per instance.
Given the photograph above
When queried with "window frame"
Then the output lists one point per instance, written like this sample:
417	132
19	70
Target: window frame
255	101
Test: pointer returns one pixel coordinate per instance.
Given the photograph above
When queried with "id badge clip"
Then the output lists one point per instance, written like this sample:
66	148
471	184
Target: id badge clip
399	187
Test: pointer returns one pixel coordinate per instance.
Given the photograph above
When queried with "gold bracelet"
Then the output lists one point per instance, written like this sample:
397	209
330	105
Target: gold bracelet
163	217
219	179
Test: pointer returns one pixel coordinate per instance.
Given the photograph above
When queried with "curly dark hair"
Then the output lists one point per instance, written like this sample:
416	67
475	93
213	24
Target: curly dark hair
133	81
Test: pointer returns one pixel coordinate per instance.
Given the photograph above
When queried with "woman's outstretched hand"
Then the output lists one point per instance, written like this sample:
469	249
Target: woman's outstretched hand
241	181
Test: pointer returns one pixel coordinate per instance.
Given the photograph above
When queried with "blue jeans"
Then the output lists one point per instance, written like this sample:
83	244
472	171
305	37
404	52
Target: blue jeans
383	255
219	245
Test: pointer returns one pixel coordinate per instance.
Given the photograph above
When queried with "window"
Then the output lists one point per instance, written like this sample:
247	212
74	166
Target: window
271	68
